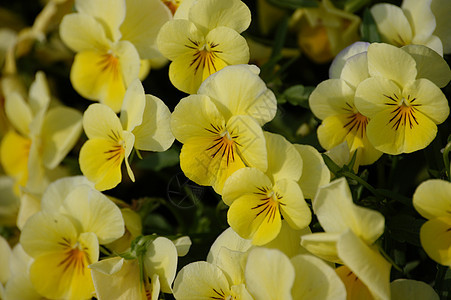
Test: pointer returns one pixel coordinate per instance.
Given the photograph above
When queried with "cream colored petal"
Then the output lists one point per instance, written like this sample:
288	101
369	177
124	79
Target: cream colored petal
183	9
14	154
211	14
43	231
141	25
29	205
322	245
289	240
284	162
314	171
435	44
330	98
232	48
355	288
161	259
174	38
184	126
293	207
230	240
339	61
355	70
154	133
412	289
182	244
244	181
421	19
39	94
232	263
315	279
95	213
441	10
435	237
54	195
392	24
99	121
18	113
200	280
332	131
237	90
61	129
132	109
367	263
430	99
269	274
373	93
431	198
430	65
392	63
82	32
111	13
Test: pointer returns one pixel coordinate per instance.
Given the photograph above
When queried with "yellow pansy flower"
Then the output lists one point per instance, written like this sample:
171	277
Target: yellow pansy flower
350	233
333	102
64	241
401	98
40	136
204	43
259	201
143	124
431	199
226	135
110	38
412	23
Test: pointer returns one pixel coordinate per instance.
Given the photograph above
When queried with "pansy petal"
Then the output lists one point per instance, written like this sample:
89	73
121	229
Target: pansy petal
18	113
392	24
154	133
323	245
142	22
39	94
284	162
330	98
367	263
211	14
392	63
430	64
421	19
355	70
233	264
293	207
250	96
95	213
14	154
99	121
269	274
231	47
111	13
229	239
132	109
314	171
61	129
289	240
339	61
355	288
431	198
435	237
315	280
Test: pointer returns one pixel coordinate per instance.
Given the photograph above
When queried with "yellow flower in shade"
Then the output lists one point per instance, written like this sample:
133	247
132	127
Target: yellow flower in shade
39	138
324	31
206	42
431	199
349	237
259	201
333	102
110	38
402	98
143	124
412	23
225	135
64	241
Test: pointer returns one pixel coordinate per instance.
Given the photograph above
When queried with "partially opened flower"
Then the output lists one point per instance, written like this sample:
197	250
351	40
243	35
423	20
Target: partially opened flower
431	199
40	136
349	237
333	102
226	135
206	42
110	38
64	241
260	200
403	103
143	124
412	23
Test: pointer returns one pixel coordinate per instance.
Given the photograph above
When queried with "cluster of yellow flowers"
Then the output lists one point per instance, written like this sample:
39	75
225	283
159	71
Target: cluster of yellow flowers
75	242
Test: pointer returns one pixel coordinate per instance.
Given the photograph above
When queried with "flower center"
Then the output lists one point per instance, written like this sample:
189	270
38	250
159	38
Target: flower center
223	143
404	111
110	64
204	57
117	151
356	124
269	205
75	257
172	4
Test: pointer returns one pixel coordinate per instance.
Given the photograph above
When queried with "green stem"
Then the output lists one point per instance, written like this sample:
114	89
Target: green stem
446	160
361	181
390	260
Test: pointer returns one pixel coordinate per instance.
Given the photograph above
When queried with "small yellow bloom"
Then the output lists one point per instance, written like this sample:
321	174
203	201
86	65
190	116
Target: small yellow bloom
206	42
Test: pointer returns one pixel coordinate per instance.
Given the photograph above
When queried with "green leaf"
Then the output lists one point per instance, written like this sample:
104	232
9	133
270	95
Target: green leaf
160	160
368	29
294	4
297	95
